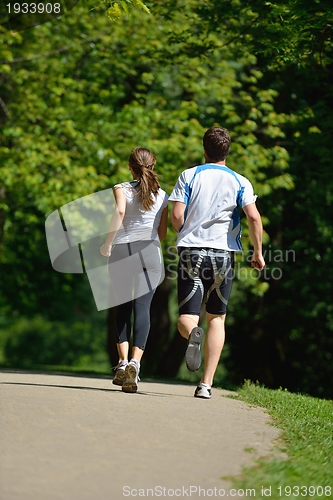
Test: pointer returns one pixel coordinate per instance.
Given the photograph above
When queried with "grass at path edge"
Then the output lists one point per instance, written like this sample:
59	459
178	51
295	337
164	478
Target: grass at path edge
307	440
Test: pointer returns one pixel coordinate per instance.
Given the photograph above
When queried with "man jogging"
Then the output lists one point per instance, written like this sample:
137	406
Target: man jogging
205	215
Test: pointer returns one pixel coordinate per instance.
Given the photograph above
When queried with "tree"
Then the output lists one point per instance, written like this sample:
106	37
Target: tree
89	97
288	341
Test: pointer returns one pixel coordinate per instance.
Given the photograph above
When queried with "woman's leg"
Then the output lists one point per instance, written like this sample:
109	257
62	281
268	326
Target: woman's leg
141	324
137	354
145	284
140	334
123	329
117	288
144	288
123	349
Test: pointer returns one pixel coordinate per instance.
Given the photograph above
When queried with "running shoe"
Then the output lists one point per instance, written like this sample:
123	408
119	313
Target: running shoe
119	377
203	391
131	376
193	351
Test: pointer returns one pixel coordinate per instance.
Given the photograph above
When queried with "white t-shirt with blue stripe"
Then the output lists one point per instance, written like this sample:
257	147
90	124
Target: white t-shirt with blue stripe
212	194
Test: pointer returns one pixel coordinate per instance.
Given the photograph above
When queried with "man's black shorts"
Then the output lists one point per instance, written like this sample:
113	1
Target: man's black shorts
204	274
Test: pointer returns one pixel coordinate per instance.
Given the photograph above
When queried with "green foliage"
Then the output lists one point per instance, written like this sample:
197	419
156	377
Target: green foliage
285	336
116	10
36	342
307	431
286	32
90	96
79	94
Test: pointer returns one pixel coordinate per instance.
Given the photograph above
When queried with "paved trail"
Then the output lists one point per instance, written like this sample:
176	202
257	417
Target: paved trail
78	438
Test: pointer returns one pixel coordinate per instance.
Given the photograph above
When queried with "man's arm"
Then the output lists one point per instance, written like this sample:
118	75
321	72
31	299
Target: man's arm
177	215
255	230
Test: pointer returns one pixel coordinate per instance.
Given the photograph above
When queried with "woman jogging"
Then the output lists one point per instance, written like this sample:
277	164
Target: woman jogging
136	229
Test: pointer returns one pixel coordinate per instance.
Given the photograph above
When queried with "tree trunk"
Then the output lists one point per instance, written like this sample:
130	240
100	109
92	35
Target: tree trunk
173	357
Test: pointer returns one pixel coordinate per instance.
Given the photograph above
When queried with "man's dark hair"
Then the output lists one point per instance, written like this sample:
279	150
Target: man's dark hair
216	143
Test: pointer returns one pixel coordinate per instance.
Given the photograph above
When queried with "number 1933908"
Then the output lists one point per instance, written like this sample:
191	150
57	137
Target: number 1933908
34	8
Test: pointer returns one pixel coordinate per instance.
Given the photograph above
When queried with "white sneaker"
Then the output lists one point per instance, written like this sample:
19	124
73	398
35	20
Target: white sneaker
203	391
131	376
119	377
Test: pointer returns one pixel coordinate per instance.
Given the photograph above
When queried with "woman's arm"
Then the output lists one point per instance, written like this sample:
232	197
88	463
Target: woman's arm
162	228
116	221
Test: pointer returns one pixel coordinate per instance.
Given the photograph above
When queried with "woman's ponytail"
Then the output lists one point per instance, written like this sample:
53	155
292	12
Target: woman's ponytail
142	162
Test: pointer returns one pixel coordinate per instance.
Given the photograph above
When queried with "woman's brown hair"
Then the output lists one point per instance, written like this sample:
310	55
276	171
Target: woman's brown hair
142	162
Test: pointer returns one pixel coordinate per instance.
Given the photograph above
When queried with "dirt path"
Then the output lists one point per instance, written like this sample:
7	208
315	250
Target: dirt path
78	438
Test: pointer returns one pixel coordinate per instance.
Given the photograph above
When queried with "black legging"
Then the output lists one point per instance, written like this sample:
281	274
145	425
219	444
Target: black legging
149	277
141	325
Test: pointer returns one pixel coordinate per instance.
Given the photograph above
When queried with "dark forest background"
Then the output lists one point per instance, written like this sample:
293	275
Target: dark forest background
79	93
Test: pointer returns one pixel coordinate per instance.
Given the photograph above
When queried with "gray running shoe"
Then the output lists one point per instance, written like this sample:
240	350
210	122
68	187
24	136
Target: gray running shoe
119	377
131	376
203	391
193	351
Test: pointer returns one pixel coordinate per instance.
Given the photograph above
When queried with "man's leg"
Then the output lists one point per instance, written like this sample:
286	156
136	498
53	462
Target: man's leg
188	327
213	345
186	323
190	296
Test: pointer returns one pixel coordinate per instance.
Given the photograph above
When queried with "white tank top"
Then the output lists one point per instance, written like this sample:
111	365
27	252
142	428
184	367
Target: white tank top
139	224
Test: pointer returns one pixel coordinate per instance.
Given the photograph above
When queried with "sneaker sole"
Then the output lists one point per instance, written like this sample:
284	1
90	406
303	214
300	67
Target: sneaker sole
119	378
130	384
202	397
193	351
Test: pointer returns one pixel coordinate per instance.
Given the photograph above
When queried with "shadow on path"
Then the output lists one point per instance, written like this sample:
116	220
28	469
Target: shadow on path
140	393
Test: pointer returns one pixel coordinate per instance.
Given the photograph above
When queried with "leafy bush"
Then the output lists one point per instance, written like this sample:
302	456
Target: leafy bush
37	341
